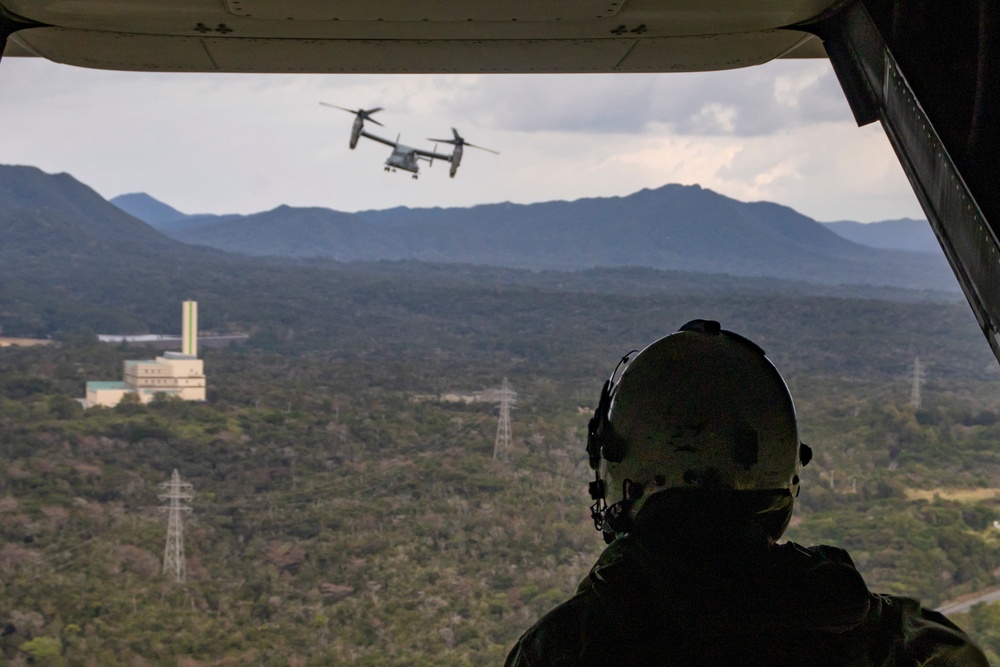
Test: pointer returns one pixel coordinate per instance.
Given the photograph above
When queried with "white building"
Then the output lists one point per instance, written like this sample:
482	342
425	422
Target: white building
180	374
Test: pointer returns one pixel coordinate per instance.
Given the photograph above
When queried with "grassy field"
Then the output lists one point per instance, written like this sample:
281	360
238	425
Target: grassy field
958	495
24	342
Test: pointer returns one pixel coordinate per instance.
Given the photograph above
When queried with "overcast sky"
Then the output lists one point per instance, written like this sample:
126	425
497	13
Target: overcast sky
226	143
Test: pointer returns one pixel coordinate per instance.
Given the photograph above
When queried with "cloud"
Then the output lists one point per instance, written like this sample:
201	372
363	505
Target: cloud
603	103
746	102
245	143
828	171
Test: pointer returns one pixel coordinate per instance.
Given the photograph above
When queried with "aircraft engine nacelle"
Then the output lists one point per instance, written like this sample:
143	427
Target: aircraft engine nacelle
356	131
456	159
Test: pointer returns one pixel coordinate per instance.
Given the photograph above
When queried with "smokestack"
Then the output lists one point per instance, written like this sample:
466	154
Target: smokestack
189	332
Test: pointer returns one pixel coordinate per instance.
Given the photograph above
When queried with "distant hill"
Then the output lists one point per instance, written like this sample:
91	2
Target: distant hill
50	213
291	232
675	227
151	211
901	234
162	216
72	262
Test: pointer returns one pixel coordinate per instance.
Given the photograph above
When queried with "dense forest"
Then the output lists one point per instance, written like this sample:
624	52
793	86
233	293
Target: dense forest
344	514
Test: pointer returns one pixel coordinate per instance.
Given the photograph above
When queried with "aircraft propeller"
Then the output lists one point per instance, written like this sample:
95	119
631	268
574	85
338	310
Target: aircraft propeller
460	141
363	114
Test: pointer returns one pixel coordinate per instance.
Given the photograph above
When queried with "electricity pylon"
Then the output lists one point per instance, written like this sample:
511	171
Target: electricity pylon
918	379
501	448
173	554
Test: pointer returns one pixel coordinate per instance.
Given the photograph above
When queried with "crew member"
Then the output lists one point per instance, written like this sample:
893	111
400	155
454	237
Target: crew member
696	454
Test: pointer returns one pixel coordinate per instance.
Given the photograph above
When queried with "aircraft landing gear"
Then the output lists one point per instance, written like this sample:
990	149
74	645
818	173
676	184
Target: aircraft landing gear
414	177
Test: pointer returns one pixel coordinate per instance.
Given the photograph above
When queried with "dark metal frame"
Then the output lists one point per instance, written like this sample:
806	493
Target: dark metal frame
929	71
9	24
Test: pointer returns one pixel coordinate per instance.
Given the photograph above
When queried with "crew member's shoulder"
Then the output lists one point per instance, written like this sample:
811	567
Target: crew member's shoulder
812	556
559	636
928	636
577	630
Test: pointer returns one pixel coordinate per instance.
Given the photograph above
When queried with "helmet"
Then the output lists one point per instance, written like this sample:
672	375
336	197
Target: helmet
703	409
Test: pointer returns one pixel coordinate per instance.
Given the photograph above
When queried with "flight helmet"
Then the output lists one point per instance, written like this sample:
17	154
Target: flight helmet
701	409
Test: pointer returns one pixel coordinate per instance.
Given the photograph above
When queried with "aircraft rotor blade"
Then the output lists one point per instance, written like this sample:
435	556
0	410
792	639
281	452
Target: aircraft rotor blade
327	104
364	114
488	150
459	140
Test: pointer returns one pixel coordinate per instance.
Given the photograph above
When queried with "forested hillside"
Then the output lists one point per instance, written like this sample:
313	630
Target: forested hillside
344	516
675	227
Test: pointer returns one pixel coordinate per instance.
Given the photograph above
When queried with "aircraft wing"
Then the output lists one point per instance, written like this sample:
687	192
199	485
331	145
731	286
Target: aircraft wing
432	154
378	139
928	71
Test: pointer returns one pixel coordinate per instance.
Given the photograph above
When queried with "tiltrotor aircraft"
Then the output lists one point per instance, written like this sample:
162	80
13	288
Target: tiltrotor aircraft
403	157
928	70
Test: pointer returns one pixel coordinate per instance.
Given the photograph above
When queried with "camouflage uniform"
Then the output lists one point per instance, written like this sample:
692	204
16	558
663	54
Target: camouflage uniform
649	602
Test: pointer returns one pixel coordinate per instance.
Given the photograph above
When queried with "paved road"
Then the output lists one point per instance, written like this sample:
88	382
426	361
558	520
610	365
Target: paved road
990	595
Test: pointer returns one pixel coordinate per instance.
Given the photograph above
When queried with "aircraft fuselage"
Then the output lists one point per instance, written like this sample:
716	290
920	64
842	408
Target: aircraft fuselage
403	157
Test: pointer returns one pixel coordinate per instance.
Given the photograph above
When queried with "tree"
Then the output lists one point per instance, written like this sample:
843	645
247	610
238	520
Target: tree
43	650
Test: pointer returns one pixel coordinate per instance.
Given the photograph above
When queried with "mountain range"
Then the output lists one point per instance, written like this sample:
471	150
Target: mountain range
900	234
674	227
72	263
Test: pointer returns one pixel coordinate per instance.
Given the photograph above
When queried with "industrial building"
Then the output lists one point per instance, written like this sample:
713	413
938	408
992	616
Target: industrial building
180	374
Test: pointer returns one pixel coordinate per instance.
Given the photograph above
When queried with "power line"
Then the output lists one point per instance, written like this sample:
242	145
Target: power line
918	379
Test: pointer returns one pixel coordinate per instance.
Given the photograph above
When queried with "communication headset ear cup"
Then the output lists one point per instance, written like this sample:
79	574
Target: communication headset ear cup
600	434
603	442
598	425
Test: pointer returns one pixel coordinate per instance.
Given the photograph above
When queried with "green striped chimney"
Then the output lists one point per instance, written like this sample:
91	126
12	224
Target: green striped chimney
189	335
